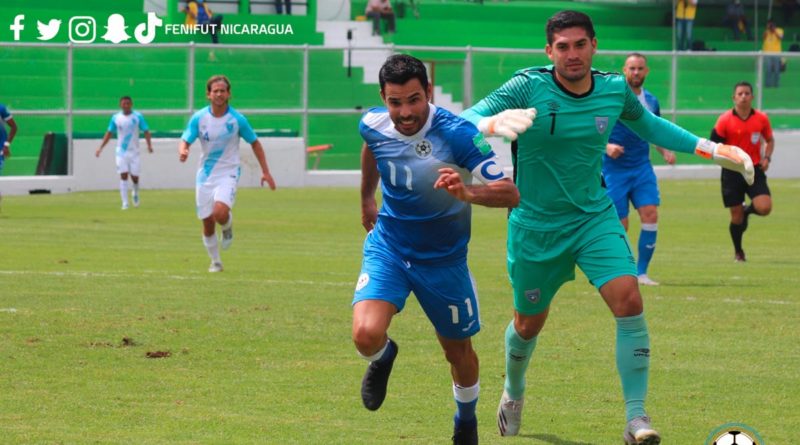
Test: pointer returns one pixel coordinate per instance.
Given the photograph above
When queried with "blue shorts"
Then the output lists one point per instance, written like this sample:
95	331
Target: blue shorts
2	161
446	293
637	185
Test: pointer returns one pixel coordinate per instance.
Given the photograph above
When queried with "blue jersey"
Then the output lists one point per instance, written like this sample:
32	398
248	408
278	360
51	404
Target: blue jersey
637	150
4	116
419	222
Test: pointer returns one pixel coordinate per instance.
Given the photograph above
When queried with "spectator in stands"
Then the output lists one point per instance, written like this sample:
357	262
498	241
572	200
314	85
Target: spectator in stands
772	44
737	21
377	10
5	139
198	13
279	6
685	12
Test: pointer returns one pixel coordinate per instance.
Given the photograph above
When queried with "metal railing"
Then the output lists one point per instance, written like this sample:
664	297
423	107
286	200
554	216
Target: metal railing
305	111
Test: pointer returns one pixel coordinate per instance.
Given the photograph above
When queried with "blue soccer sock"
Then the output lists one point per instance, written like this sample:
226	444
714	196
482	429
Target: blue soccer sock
466	401
647	245
633	362
518	355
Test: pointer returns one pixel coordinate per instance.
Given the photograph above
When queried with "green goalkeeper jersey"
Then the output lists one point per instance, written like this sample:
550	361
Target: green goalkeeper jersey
559	159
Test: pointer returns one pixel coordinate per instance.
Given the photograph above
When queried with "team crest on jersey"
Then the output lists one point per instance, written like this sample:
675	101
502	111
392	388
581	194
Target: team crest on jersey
601	123
755	137
423	148
229	126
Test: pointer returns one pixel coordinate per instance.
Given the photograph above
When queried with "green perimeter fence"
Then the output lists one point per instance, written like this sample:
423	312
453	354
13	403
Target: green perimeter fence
310	91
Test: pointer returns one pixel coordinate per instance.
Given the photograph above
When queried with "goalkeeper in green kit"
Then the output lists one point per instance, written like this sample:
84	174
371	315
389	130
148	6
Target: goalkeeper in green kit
564	217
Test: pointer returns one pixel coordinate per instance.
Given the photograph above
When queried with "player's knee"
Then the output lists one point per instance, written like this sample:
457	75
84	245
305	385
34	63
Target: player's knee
527	328
367	339
221	215
764	210
628	304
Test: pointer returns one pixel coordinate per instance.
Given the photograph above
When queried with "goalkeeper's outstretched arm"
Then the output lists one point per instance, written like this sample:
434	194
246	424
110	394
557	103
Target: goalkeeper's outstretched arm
668	135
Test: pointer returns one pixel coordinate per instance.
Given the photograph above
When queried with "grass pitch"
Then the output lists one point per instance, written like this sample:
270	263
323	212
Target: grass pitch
261	353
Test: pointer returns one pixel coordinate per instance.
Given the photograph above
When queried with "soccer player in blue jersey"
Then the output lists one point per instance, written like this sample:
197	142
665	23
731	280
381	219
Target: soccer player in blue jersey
219	127
6	138
127	124
424	157
628	172
564	217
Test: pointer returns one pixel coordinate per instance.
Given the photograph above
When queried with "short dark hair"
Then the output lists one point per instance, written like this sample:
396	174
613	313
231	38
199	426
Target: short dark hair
400	68
639	55
743	83
215	79
125	97
568	19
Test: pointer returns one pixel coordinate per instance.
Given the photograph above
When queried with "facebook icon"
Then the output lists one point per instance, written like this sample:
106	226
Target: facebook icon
17	27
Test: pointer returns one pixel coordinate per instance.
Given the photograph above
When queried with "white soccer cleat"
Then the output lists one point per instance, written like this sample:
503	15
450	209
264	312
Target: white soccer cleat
644	280
124	206
227	238
509	415
639	432
215	266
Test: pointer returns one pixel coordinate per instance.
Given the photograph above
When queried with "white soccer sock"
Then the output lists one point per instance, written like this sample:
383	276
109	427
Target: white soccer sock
123	191
212	247
228	224
135	188
466	394
377	355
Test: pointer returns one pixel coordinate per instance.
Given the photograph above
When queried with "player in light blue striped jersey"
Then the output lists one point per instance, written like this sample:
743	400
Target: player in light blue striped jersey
219	127
425	158
127	124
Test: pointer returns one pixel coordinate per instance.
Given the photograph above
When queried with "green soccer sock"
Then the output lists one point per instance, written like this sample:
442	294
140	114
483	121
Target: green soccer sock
518	355
633	362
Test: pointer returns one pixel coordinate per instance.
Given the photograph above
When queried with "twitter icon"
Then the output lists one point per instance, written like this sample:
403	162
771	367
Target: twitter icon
48	31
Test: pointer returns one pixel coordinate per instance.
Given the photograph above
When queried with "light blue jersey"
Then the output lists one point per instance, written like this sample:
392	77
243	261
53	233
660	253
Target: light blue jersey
416	221
127	128
637	150
219	137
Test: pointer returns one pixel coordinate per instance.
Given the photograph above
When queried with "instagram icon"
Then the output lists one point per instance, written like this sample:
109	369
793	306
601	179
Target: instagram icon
82	29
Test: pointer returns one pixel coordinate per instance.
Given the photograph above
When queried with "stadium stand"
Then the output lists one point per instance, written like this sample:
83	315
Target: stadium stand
34	78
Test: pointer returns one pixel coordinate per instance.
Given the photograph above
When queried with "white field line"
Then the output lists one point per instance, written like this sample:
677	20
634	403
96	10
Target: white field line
157	274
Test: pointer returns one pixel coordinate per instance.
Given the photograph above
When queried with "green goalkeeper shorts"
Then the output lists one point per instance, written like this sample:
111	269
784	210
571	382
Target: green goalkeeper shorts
539	262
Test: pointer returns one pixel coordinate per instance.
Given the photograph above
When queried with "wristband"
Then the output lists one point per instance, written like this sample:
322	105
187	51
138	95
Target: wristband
768	158
7	144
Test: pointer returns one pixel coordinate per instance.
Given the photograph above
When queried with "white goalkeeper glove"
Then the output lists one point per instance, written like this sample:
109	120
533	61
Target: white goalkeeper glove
508	123
727	156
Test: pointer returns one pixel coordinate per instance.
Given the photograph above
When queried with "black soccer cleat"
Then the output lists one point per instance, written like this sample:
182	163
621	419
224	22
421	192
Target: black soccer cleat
376	379
466	433
739	257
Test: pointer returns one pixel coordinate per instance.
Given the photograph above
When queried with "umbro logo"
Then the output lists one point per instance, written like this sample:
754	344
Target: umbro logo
641	352
516	358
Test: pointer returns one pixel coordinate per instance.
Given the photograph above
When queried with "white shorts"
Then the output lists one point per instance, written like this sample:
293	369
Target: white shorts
216	189
129	163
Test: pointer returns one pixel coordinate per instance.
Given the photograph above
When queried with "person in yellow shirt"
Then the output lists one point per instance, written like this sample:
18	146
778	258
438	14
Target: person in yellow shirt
685	11
198	13
772	44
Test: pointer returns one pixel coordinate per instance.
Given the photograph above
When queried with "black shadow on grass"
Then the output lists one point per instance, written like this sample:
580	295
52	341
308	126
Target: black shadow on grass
555	440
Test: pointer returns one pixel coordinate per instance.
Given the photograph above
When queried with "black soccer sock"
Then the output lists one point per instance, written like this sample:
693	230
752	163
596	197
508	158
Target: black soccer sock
737	230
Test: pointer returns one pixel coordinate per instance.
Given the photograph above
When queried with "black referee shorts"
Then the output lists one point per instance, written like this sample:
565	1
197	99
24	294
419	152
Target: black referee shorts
734	187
